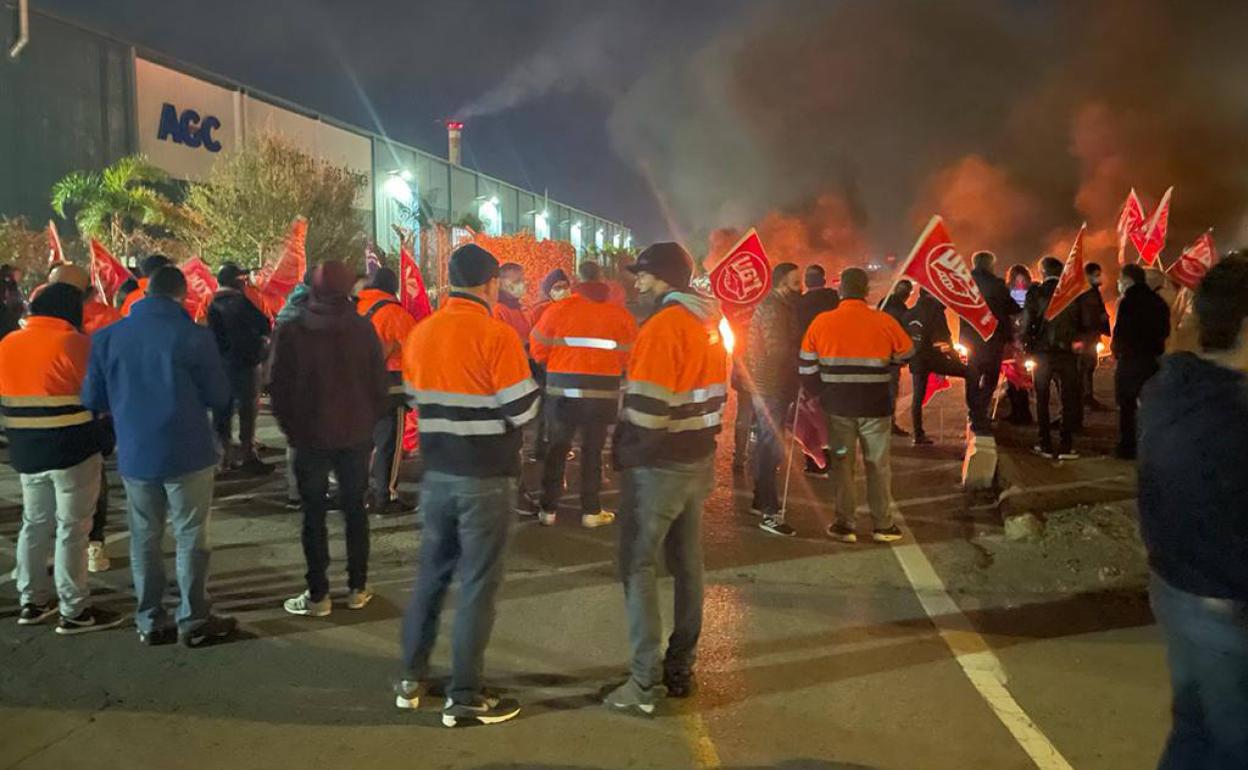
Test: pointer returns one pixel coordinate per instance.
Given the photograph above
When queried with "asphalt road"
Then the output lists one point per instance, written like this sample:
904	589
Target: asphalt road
815	654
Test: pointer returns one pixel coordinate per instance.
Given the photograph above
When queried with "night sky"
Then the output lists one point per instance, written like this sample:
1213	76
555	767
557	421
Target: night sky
397	66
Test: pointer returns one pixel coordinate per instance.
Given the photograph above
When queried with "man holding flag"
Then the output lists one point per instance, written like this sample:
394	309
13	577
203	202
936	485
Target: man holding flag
1052	328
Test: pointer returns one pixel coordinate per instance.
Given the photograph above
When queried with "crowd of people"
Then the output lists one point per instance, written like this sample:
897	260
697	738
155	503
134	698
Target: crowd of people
343	363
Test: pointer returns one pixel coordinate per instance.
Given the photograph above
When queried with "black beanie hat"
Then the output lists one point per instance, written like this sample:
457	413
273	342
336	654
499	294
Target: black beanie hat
385	280
231	275
153	263
668	261
553	277
59	300
472	265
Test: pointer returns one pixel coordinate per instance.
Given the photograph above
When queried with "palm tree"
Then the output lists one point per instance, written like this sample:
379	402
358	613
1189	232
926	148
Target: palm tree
117	203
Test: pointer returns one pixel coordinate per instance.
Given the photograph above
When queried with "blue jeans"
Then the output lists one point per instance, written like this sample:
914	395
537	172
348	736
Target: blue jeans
467	521
1207	647
185	502
661	514
56	517
771	414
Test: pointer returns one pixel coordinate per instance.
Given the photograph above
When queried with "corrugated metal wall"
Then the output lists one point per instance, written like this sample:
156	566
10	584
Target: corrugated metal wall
65	104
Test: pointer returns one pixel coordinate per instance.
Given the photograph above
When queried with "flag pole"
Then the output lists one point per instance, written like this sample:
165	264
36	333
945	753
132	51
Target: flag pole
914	252
788	467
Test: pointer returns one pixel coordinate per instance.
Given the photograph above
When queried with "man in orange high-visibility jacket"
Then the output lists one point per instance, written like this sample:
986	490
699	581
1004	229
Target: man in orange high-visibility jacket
55	448
584	343
510	308
846	358
673	403
468	375
379	303
149	265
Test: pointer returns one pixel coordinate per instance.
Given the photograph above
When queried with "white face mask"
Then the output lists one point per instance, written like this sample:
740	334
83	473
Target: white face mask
516	288
558	294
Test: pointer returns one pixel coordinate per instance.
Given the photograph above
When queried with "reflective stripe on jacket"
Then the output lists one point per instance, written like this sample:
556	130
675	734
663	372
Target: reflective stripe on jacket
467	374
41	371
677	385
584	346
846	356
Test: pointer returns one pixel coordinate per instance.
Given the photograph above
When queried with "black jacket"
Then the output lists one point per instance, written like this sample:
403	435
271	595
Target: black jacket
896	307
814	302
775	338
242	331
1143	325
997	296
928	327
1056	336
1093	317
1193	492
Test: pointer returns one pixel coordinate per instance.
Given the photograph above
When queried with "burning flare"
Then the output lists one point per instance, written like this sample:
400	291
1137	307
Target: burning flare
726	336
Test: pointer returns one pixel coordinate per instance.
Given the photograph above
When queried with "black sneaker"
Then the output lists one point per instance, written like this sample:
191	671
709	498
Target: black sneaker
678	685
294	504
921	439
254	466
1043	451
776	527
486	710
34	614
391	508
214	629
526	504
87	621
890	535
899	431
842	533
407	693
160	635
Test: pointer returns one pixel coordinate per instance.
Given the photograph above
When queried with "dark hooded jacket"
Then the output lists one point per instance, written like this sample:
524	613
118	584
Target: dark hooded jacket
242	331
1142	326
328	378
1193	491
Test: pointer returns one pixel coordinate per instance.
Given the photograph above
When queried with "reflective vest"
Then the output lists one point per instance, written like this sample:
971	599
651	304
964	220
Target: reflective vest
41	371
584	346
391	321
846	358
677	385
468	376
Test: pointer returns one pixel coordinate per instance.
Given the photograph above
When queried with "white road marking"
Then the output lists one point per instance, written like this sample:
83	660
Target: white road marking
980	664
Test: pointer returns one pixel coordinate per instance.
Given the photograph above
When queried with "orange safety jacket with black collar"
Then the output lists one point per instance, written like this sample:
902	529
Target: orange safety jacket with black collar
41	371
584	342
677	385
846	357
468	376
391	321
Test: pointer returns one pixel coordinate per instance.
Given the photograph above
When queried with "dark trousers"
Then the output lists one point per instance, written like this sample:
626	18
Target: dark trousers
388	452
983	372
1087	373
350	466
1207	649
1020	405
99	519
1129	380
741	429
467	521
244	400
894	388
564	420
1062	368
771	414
920	368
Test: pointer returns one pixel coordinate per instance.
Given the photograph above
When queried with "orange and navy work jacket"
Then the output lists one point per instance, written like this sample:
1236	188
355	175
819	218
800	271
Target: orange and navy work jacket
677	385
468	376
392	322
41	371
846	358
96	315
584	345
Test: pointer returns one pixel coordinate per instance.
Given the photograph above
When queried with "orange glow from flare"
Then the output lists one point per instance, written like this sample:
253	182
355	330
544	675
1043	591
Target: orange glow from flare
725	334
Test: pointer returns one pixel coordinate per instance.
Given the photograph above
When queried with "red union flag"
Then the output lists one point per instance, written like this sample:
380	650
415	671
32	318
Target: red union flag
1073	281
743	276
1132	225
106	272
936	265
201	284
56	253
288	271
412	293
1190	268
1155	238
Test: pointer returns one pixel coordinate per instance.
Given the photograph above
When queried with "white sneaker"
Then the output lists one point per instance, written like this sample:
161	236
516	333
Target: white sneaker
546	518
97	560
303	605
600	519
358	599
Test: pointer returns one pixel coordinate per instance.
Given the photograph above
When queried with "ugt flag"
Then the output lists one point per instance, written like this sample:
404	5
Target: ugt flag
1194	262
201	284
1132	225
56	253
743	276
288	271
106	272
936	265
1155	238
1073	281
412	292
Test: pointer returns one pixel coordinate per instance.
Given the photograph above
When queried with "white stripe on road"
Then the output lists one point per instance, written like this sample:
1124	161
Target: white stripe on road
980	664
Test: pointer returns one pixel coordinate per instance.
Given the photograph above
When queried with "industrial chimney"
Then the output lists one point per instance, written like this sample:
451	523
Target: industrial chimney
454	129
